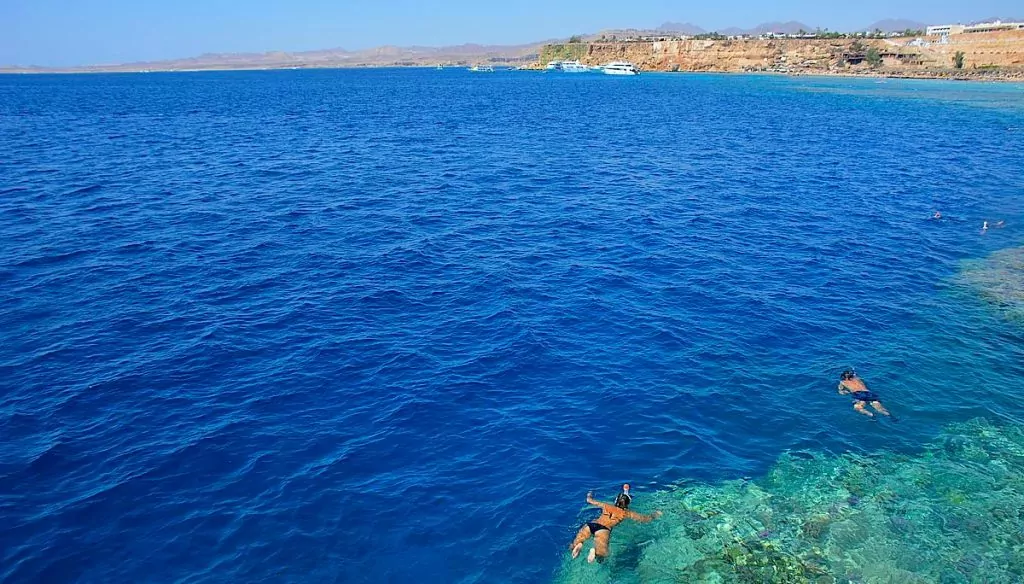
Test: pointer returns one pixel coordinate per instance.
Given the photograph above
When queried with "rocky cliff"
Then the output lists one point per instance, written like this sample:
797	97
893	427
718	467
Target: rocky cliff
997	49
983	50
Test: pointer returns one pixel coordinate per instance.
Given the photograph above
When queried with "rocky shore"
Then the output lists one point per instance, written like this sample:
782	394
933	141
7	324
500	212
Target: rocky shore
1015	75
997	56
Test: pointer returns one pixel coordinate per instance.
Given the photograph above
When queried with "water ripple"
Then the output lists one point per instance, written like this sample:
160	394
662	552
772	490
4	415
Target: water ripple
371	326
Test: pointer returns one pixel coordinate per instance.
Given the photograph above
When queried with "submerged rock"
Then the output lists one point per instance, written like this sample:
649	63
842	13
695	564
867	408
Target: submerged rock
815	527
899	524
999	279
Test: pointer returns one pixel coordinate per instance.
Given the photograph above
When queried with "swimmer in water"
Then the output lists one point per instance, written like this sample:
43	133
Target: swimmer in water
852	385
601	528
984	225
937	215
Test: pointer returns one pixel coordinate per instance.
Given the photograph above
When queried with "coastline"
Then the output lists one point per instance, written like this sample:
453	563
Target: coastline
995	56
952	75
979	76
116	69
985	57
989	75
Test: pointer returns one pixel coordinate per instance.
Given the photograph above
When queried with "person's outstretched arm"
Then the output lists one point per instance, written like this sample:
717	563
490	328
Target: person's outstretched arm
842	388
643	518
592	501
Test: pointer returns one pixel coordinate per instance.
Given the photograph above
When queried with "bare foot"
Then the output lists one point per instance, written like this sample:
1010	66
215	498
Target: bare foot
576	550
591	555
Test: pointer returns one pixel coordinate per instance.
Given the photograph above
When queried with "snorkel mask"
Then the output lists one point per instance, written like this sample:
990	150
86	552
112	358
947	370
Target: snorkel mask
623	499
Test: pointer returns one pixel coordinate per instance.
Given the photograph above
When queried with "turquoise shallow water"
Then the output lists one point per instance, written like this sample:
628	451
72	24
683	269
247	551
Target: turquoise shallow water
366	326
951	513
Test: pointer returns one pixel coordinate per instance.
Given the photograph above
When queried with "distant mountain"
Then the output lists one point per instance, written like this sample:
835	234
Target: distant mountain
459	54
896	25
790	27
377	56
682	28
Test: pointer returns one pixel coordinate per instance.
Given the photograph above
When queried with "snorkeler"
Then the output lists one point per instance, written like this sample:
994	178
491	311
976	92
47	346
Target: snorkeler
601	528
851	384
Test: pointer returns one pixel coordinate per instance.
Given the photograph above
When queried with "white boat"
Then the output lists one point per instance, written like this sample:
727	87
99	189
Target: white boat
574	67
482	69
567	66
620	68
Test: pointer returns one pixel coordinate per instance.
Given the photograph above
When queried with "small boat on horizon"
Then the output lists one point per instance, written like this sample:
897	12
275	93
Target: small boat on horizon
482	69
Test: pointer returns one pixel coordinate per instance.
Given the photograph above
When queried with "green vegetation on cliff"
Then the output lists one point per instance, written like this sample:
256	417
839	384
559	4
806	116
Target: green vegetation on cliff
873	57
563	52
710	36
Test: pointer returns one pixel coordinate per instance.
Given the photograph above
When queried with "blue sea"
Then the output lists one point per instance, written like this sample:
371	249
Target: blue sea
393	325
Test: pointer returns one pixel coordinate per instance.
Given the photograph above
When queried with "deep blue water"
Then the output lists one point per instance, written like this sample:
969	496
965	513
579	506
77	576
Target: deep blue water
391	325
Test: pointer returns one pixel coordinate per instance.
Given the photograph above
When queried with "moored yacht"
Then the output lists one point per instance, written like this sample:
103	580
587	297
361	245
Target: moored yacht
574	67
620	68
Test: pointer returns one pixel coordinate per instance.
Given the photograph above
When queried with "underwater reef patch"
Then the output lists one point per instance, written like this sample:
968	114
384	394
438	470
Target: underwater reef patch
952	514
999	280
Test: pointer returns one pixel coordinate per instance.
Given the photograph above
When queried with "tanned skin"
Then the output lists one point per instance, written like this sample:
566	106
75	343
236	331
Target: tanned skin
611	516
850	386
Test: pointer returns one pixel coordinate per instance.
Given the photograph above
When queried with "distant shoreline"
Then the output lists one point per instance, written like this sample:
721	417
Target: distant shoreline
912	54
986	76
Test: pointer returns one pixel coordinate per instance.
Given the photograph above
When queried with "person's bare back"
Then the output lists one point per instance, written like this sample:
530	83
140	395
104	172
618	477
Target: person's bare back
852	385
612	515
601	528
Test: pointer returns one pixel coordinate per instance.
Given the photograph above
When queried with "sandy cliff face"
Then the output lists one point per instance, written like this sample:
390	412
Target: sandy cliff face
707	55
1000	49
1004	49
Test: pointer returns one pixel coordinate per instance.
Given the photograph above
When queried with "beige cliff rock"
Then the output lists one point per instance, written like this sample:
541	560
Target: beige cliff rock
1004	50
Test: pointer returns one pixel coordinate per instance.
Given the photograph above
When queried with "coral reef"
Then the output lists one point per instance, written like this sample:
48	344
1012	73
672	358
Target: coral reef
953	513
999	278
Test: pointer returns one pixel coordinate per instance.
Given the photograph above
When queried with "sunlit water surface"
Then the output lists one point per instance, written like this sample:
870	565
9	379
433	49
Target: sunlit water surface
392	325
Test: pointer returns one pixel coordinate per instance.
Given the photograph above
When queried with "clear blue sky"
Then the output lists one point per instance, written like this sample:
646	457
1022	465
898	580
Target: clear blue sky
74	32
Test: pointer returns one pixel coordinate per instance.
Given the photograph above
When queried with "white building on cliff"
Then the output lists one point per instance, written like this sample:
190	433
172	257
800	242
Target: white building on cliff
948	29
